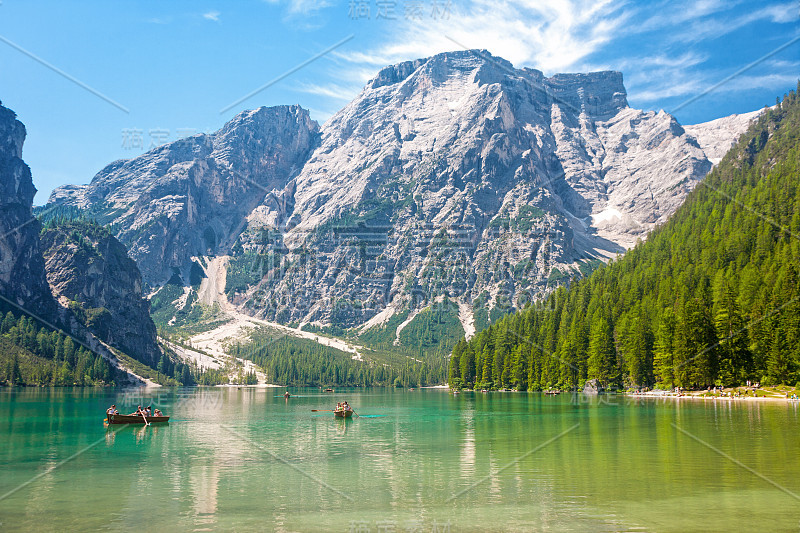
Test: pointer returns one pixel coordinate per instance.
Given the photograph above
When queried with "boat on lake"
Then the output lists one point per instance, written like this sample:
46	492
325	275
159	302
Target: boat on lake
343	413
134	419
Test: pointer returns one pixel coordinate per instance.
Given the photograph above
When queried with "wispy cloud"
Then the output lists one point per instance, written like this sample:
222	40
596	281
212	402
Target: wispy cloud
331	90
303	14
669	91
672	14
698	82
320	115
304	7
212	15
708	27
667	49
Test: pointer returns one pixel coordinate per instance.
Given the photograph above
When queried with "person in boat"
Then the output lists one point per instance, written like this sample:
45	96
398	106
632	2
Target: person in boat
158	412
138	411
346	406
286	394
111	410
148	411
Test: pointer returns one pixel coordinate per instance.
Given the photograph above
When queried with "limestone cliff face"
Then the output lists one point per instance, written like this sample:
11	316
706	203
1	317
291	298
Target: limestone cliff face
90	272
461	176
456	176
191	197
22	276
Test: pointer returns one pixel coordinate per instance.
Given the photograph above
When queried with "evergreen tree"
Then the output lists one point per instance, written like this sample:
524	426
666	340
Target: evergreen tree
664	362
735	359
602	351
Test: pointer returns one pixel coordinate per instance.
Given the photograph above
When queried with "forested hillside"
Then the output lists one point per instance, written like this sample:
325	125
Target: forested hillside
711	298
300	362
31	354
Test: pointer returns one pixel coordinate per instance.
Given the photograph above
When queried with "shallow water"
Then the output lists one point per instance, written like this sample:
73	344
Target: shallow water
243	459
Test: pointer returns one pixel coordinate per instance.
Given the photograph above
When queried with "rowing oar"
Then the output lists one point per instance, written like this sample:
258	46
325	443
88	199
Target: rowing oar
317	410
146	423
354	412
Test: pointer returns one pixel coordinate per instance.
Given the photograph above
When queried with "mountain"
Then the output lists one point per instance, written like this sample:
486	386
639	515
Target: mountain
711	298
91	272
192	197
456	180
98	314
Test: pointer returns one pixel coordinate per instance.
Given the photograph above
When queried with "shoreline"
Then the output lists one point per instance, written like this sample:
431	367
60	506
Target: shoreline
700	396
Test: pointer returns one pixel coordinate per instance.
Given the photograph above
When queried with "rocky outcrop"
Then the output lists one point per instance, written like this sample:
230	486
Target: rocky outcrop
191	197
90	272
592	386
22	275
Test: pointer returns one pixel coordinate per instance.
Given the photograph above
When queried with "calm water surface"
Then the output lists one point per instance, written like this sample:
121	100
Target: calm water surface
424	460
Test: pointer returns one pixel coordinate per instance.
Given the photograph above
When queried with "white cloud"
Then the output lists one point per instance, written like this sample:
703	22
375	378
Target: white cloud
551	36
665	48
211	15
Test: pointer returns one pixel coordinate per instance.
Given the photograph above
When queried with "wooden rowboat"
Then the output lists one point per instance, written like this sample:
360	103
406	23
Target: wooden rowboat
134	419
342	413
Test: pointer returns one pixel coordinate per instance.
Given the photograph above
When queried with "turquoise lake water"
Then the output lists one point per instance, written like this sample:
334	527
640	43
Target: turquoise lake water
246	459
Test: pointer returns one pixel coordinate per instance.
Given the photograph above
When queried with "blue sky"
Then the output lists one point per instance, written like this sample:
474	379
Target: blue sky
122	76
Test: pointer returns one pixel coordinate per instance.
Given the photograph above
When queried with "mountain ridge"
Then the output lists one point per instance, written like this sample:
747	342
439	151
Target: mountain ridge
455	176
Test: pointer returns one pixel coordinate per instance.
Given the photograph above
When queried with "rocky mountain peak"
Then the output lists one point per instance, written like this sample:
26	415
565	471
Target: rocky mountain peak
191	197
598	94
22	275
17	185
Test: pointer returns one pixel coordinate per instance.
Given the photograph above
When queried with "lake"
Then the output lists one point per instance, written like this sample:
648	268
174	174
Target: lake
422	460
